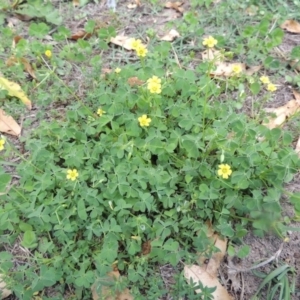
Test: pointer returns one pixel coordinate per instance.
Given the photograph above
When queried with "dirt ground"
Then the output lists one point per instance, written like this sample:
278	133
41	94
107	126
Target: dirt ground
135	22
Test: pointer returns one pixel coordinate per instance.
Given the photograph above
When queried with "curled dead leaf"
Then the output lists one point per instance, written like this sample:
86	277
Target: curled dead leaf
132	5
8	124
134	81
123	41
75	3
212	55
227	69
297	148
282	113
146	247
80	34
4	292
252	70
175	5
26	64
105	291
291	26
171	36
14	90
199	274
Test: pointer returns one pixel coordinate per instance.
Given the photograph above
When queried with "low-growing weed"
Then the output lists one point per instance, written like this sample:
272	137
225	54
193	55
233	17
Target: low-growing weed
147	154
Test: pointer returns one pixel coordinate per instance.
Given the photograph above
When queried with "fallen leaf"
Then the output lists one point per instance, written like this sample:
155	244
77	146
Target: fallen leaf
252	10
212	55
8	124
297	148
132	5
23	17
105	291
282	113
123	41
295	64
199	274
4	292
297	96
291	26
175	5
26	64
80	34
75	3
227	69
133	81
252	70
16	40
146	247
171	36
138	2
14	90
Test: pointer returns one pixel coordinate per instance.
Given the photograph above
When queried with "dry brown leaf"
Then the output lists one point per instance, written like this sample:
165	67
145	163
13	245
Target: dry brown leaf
4	292
252	70
146	248
297	96
14	90
175	5
8	124
297	148
212	55
123	41
138	2
197	274
282	113
295	64
26	64
16	40
76	3
23	17
80	34
107	293
132	5
133	81
226	69
291	26
171	36
252	10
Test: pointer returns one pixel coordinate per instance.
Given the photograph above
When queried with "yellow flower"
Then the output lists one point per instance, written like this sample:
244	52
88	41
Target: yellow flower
264	79
48	53
100	112
210	42
141	51
271	87
72	174
154	88
154	79
2	142
117	70
144	121
236	69
224	171
134	44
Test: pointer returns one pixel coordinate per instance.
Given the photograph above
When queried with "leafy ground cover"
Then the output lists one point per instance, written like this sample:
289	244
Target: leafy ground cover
139	145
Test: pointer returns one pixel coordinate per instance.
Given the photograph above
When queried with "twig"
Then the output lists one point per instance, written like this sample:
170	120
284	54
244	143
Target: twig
275	256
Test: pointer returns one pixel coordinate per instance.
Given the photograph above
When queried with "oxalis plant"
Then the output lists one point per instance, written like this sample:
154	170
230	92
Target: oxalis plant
149	155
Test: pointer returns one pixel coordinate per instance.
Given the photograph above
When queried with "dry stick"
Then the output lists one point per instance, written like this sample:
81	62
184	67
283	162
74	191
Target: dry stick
275	256
176	57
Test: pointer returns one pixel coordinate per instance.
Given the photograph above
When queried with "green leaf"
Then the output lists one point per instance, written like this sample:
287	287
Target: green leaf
38	29
47	278
244	251
29	239
4	181
81	209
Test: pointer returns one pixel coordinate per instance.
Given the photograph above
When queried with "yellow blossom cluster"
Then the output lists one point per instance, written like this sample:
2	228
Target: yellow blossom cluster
270	86
139	47
210	42
154	85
